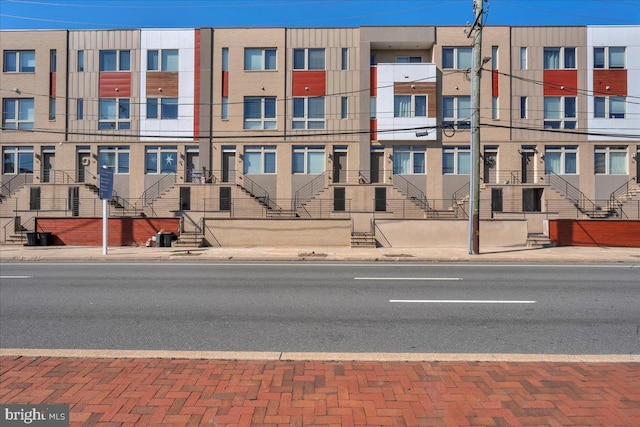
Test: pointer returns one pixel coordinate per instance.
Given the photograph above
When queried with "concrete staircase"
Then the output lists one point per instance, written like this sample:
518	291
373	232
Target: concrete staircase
539	240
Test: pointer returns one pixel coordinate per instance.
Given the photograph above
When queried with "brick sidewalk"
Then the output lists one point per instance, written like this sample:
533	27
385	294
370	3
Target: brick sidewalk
119	392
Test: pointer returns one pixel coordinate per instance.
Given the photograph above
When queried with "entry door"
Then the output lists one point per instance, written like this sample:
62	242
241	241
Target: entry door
185	198
84	160
377	166
496	200
532	199
528	167
48	161
339	166
191	170
490	172
229	166
380	199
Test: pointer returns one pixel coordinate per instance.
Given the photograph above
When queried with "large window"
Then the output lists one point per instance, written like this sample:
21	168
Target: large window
162	60
162	108
115	158
410	106
308	160
17	160
115	60
611	160
308	59
18	113
260	159
308	113
559	58
561	160
456	111
609	57
114	114
260	59
259	112
19	61
523	58
459	58
409	160
560	112
610	107
408	59
161	159
456	160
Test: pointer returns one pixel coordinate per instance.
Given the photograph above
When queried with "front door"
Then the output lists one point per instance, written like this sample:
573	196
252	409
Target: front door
48	161
490	172
377	166
191	169
528	167
84	160
229	166
340	166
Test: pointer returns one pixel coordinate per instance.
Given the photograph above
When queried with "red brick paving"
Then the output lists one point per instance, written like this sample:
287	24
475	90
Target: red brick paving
126	392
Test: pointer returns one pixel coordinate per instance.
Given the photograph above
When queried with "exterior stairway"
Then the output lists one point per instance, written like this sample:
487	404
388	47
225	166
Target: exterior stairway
363	239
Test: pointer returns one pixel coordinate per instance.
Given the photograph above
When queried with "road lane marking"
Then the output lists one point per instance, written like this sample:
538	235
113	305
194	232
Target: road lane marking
15	277
452	301
410	278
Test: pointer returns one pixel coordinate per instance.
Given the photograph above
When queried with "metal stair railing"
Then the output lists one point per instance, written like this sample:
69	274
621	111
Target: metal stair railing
615	202
154	191
256	191
14	184
410	191
573	193
309	190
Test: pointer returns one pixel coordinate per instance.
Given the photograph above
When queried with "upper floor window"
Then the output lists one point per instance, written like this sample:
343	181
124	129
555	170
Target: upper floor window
459	58
115	158
560	112
17	160
372	107
609	57
260	159
225	59
308	113
408	59
260	59
114	113
259	112
18	113
19	61
161	159
308	59
115	60
561	160
344	59
611	160
344	107
410	106
80	66
523	58
610	107
308	160
456	160
558	58
409	160
162	108
53	58
456	111
523	107
162	60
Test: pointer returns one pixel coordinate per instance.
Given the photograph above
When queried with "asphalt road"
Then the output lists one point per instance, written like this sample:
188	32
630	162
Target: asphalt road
327	307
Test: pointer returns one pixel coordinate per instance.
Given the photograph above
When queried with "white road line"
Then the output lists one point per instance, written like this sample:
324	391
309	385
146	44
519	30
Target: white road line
15	277
451	301
409	278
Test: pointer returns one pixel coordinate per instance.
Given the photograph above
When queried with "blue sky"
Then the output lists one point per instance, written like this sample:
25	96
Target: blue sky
104	14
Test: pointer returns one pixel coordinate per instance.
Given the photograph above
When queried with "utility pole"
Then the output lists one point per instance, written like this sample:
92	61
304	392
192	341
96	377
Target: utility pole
474	200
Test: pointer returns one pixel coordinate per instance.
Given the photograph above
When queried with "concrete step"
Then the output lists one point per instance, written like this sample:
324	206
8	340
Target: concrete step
363	239
535	240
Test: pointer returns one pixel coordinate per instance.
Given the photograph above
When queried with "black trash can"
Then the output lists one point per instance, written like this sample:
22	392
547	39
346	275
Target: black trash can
159	241
45	238
32	238
166	239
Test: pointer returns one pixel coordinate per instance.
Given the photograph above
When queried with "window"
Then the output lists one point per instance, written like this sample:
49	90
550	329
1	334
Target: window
19	61
408	59
456	111
523	58
161	160
224	114
495	108
456	160
612	107
113	114
410	106
53	60
560	112
372	107
409	160
308	160
80	109
523	107
561	160
558	58
344	107
80	67
18	113
344	63
259	112
52	108
168	108
260	59
456	57
225	59
611	160
494	57
17	160
115	158
162	60
308	113
609	57
260	159
115	60
308	59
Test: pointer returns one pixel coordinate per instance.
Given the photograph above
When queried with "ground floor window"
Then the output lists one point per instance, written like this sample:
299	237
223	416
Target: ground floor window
161	159
561	160
17	160
260	159
308	160
115	158
611	160
409	160
456	161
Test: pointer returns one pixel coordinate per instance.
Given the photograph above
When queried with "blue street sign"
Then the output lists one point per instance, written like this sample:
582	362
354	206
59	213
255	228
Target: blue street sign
106	183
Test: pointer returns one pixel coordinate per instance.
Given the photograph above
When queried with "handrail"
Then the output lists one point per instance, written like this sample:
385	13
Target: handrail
623	190
461	193
256	191
155	190
573	193
307	191
11	186
411	191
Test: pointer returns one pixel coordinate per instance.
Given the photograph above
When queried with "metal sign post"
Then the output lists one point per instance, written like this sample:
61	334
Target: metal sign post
106	193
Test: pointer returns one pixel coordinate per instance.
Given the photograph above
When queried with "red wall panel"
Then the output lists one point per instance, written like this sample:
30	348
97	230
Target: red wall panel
616	80
555	79
109	81
52	85
315	81
88	231
225	83
494	82
373	77
569	232
373	129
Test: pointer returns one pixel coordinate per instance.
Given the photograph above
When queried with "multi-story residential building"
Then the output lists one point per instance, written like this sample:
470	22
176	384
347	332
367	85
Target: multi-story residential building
319	123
